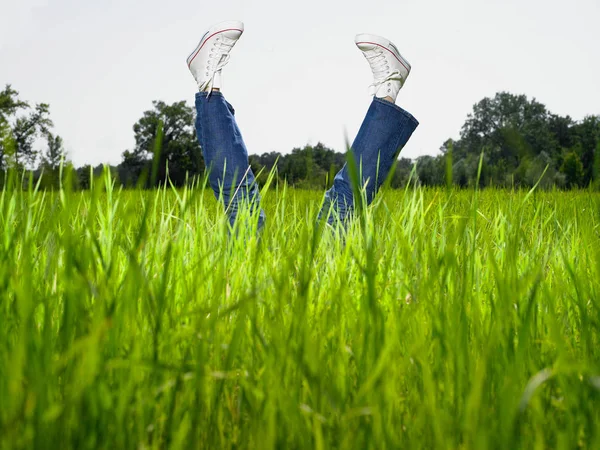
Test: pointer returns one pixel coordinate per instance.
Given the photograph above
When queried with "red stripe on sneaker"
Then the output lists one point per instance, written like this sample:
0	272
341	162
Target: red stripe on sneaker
206	40
379	45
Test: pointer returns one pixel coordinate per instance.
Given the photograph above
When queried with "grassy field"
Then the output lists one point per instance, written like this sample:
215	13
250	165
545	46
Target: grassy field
442	319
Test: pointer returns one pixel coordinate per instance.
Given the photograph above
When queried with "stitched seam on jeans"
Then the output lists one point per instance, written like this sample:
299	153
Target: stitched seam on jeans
230	107
202	140
398	149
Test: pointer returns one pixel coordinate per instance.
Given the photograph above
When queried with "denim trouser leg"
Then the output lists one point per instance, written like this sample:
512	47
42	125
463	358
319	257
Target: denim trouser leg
385	130
225	154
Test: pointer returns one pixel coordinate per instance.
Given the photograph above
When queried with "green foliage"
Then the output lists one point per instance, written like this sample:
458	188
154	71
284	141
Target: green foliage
573	170
519	138
430	172
179	150
311	167
51	162
55	152
19	133
588	136
25	131
439	319
7	142
10	103
596	169
449	162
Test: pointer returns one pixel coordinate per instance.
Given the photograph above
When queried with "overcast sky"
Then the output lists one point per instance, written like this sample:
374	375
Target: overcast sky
295	77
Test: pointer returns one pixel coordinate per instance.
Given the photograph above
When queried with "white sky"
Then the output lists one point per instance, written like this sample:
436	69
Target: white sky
295	77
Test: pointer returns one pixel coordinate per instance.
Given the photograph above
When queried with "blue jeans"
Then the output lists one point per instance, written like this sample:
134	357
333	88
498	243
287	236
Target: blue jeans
225	155
384	132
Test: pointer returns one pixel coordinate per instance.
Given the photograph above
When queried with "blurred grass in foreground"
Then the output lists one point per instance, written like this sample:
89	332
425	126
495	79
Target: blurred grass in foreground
443	319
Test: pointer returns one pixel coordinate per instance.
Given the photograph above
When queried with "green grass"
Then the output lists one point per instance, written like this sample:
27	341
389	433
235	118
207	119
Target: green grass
443	319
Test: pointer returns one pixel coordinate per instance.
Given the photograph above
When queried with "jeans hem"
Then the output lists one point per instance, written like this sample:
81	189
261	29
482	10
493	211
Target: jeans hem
201	94
404	112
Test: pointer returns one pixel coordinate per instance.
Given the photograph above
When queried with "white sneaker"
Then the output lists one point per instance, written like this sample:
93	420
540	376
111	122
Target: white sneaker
212	54
390	69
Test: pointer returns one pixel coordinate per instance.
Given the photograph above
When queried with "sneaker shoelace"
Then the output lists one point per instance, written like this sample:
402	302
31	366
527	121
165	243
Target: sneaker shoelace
380	67
218	58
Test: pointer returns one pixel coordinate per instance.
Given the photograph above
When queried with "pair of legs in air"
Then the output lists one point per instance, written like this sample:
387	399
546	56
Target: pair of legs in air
384	131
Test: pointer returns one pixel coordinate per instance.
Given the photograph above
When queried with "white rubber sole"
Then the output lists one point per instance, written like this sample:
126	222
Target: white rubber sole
214	30
384	43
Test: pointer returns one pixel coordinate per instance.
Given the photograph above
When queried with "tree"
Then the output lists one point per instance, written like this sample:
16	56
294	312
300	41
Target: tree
519	138
541	169
7	144
9	105
596	169
26	130
132	167
55	153
573	170
562	128
263	164
179	151
509	127
84	176
18	133
51	160
587	135
430	170
401	173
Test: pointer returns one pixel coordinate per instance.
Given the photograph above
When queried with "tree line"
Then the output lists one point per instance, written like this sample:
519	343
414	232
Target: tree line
506	141
22	126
